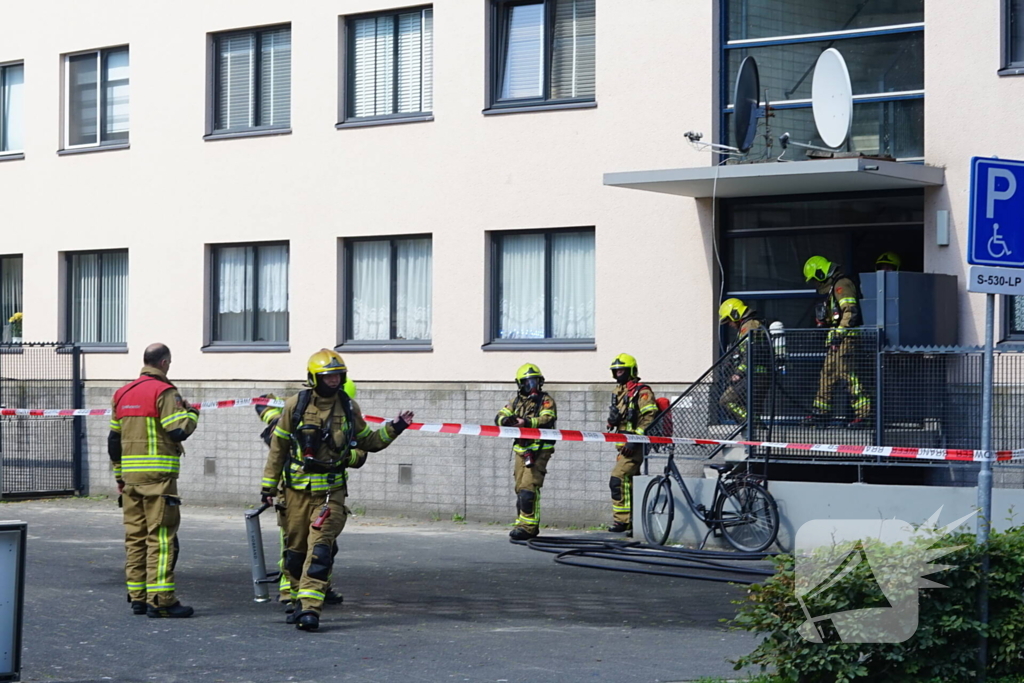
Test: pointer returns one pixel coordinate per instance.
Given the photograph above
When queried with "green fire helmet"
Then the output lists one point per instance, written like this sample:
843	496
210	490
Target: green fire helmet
817	268
624	360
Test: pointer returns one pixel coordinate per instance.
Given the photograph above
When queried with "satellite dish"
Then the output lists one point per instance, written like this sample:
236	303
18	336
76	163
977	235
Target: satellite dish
746	100
831	98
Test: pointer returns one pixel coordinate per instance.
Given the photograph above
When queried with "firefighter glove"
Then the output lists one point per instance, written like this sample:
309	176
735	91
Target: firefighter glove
402	422
267	495
614	416
508	421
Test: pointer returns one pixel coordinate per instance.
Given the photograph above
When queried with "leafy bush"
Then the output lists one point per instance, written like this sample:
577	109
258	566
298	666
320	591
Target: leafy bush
945	644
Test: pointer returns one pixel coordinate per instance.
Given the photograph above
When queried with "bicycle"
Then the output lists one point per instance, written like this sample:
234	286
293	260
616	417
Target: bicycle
742	510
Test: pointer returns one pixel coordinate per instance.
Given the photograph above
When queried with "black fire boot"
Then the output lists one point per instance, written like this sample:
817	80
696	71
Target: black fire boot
308	621
175	611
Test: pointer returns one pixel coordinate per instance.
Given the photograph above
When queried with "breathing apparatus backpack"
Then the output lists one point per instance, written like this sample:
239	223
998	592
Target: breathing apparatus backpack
311	437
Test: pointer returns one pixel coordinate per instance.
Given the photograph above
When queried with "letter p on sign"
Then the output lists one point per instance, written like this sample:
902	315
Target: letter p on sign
994	194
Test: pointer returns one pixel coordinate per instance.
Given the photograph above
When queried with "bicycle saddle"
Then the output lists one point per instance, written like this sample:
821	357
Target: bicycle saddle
721	468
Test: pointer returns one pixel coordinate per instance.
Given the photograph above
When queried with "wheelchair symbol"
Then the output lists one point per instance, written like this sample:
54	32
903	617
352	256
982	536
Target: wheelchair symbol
997	241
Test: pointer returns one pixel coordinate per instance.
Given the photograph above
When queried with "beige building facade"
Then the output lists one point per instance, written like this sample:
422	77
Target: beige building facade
423	186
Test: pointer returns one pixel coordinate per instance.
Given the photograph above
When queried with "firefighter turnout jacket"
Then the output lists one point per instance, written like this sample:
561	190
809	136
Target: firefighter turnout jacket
150	421
344	444
635	406
538	412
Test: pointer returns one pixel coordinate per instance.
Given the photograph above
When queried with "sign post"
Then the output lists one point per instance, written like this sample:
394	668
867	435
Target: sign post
995	238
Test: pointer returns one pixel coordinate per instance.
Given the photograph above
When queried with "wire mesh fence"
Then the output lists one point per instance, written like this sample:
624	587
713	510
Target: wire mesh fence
39	455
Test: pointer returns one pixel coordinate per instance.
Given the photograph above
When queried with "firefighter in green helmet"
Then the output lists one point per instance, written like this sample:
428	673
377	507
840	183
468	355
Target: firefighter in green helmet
530	407
841	313
632	411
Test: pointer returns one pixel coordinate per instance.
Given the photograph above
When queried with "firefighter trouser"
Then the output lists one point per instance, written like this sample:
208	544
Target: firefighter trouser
734	402
627	466
152	515
309	553
838	367
528	481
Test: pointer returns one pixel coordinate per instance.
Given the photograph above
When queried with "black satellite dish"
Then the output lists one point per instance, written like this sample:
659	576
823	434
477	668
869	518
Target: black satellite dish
746	100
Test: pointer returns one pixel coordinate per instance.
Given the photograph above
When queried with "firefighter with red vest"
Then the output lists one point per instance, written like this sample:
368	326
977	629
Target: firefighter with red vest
530	407
632	411
149	423
319	435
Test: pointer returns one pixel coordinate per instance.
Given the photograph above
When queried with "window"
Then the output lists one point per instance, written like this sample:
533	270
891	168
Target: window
12	114
252	80
543	285
389	289
543	52
96	96
1013	318
250	293
882	42
390	65
97	297
10	296
1013	27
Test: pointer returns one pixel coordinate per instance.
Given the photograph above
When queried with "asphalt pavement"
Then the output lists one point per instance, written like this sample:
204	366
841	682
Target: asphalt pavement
424	601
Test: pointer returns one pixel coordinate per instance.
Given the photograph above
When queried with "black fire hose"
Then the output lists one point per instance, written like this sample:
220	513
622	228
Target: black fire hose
721	566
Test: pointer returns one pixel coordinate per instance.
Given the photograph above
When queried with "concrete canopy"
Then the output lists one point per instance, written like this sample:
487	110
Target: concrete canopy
796	177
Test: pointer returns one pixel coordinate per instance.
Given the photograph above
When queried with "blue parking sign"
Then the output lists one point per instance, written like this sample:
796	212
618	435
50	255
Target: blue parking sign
995	229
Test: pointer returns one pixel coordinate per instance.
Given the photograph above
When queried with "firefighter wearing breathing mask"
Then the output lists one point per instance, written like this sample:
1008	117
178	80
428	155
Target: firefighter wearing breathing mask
530	407
317	438
288	585
632	411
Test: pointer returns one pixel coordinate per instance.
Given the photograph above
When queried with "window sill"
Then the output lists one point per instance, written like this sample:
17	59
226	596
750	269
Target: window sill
394	346
495	110
540	345
366	123
90	150
246	348
1011	71
103	348
253	133
16	156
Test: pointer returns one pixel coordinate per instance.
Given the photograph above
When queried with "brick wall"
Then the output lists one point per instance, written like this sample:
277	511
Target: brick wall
470	476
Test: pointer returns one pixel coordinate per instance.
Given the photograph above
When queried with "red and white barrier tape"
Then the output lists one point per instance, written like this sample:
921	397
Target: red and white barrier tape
574	435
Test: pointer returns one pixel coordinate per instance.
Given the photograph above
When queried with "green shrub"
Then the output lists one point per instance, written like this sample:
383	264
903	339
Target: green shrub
945	644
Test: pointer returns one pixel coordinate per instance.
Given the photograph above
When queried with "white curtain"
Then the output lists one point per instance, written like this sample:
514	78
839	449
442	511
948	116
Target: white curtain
572	285
83	103
413	280
276	77
371	290
573	51
234	95
524	55
99	297
522	287
234	293
115	85
10	291
12	113
272	318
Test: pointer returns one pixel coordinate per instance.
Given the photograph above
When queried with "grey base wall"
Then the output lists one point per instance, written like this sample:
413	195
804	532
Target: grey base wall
468	476
801	502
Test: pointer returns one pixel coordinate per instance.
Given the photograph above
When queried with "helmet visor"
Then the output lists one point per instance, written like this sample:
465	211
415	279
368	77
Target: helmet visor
530	385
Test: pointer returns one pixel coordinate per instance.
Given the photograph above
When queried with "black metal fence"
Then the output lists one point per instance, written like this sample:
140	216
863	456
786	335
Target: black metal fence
40	455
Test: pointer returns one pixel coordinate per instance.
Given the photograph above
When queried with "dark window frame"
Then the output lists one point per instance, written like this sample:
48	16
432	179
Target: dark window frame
1007	18
500	11
348	106
257	81
494	303
69	298
1009	334
214	294
347	323
102	59
3	126
4	257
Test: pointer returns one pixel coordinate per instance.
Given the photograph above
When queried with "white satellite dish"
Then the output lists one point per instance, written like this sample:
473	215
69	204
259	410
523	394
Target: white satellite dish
832	98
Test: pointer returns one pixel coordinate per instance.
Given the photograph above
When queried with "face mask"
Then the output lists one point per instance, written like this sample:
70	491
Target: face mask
530	386
621	375
324	391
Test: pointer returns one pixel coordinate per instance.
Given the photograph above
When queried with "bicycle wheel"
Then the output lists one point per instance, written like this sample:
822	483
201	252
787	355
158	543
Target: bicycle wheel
658	511
748	516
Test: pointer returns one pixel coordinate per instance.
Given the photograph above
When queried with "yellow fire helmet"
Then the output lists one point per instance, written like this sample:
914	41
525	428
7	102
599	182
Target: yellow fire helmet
324	362
890	259
528	370
350	387
624	360
732	310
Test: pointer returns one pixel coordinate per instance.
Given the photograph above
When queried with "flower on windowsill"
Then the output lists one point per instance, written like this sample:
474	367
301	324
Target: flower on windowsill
15	321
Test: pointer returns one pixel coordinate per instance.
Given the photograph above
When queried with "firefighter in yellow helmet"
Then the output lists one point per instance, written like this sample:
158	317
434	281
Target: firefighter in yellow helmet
318	436
288	585
841	313
530	407
632	411
736	314
888	261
